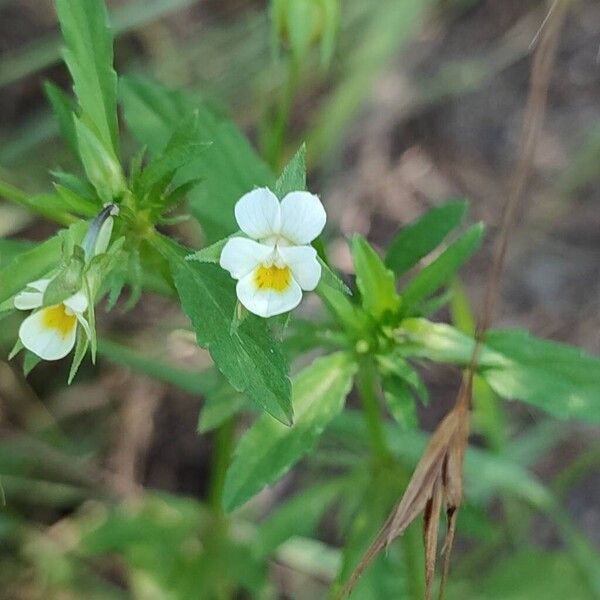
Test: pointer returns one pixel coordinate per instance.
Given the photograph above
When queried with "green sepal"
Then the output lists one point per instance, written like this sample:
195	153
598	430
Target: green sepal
81	347
68	281
30	361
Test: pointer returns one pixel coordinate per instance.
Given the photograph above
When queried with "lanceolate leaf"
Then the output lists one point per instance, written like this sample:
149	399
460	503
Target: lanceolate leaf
554	377
419	238
269	449
248	356
443	268
228	168
88	53
64	109
560	379
34	263
376	284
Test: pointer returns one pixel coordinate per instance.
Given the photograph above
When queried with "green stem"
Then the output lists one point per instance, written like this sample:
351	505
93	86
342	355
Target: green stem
223	446
367	386
16	196
277	133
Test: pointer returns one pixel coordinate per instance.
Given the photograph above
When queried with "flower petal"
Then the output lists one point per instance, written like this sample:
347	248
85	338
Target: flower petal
103	238
302	217
267	303
28	299
258	213
240	256
40	284
77	303
48	343
302	260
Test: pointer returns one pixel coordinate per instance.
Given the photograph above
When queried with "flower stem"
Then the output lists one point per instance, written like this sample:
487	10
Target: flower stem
277	132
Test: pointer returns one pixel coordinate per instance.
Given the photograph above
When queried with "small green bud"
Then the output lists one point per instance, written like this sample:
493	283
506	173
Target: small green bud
101	165
304	24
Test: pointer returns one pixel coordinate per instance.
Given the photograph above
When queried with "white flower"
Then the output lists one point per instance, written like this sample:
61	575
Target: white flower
278	262
51	331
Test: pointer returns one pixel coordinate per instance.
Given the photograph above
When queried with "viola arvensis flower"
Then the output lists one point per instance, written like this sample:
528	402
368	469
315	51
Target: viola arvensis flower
51	331
278	262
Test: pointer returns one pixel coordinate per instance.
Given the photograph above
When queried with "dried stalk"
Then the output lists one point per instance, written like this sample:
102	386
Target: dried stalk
438	476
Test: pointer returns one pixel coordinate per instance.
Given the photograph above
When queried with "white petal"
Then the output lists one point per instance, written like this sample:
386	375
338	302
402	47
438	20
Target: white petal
103	238
258	213
32	296
241	255
267	303
302	217
40	284
77	303
47	343
302	260
28	300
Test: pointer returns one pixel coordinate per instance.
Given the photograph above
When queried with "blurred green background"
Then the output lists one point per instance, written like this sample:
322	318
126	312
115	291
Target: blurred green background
105	481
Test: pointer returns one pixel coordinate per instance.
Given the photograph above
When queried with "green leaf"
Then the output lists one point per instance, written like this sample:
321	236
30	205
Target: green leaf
393	364
35	263
152	111
442	270
557	378
64	109
419	238
560	379
10	249
74	203
297	516
248	356
540	576
182	148
376	283
400	400
88	53
189	381
212	253
221	402
331	279
293	177
228	168
269	449
100	163
351	317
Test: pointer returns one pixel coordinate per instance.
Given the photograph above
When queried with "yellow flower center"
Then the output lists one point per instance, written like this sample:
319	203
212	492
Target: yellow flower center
56	317
272	278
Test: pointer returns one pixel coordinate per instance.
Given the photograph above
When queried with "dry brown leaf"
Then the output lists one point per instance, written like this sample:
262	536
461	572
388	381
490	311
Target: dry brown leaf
431	526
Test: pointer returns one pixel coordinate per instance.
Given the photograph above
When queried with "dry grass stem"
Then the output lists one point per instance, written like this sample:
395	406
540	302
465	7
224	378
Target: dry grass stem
438	477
